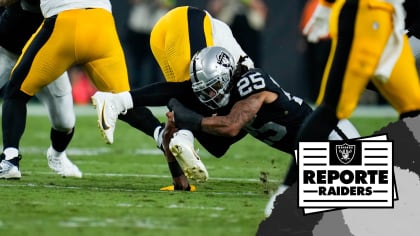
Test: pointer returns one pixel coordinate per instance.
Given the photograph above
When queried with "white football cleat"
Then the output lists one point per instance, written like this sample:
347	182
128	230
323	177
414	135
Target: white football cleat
10	169
62	165
182	147
106	109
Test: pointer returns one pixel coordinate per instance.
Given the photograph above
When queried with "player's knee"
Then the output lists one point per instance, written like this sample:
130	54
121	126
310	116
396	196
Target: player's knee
63	127
64	121
64	130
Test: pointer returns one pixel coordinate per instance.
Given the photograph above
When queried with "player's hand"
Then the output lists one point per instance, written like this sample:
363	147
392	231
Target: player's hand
317	26
6	2
184	118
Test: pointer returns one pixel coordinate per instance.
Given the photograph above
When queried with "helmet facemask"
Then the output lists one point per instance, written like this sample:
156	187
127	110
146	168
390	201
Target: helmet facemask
211	70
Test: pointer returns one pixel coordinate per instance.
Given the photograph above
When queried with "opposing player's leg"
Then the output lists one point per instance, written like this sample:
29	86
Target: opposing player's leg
108	108
111	107
402	89
58	100
9	169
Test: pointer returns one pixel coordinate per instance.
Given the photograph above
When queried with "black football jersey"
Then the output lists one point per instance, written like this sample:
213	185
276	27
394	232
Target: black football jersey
276	123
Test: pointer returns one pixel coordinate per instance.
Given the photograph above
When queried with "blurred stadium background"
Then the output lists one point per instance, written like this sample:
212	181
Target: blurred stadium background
283	50
275	45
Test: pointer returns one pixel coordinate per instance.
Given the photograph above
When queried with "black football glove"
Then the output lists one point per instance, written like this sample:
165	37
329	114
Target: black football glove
184	117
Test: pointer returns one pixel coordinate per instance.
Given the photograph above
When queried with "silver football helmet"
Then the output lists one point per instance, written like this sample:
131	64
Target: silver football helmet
211	71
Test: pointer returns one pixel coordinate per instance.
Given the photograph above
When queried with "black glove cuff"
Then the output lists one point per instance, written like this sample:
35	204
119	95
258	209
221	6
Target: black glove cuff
184	117
197	123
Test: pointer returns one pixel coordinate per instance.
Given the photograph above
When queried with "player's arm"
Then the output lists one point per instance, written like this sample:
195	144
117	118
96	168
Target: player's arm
241	114
230	125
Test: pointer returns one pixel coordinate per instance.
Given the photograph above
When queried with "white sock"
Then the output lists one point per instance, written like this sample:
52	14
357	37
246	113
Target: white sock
54	152
10	153
126	99
157	135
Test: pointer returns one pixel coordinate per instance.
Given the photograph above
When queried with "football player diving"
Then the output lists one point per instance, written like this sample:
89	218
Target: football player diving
249	100
175	38
225	100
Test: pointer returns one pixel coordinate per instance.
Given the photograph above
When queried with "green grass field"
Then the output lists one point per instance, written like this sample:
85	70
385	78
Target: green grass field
119	192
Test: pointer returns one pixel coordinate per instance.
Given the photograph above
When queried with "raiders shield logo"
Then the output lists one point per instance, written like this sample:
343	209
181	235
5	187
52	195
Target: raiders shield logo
345	152
223	60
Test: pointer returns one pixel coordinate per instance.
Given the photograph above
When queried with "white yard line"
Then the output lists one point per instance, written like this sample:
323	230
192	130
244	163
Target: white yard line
247	180
98	151
36	109
6	183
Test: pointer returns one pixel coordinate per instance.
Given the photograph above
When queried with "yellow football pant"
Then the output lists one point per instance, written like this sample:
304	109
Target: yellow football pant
176	37
85	37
